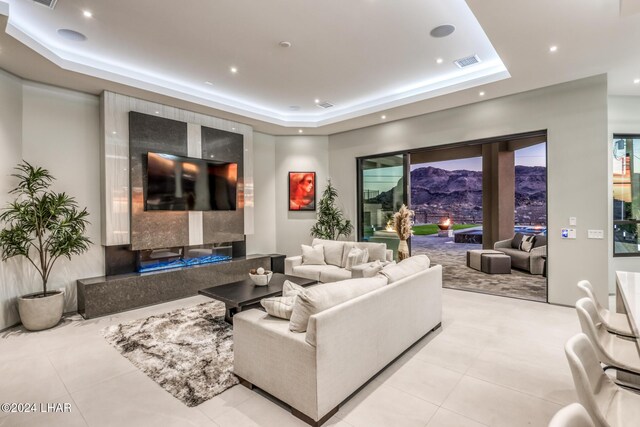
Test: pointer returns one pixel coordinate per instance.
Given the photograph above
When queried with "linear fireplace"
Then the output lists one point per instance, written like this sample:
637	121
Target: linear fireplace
122	260
168	258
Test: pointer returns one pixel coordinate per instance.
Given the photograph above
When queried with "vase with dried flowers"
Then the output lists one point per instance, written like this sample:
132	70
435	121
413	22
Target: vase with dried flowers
403	221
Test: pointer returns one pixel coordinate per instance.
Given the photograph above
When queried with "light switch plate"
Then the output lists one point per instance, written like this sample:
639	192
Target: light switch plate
569	233
573	220
595	234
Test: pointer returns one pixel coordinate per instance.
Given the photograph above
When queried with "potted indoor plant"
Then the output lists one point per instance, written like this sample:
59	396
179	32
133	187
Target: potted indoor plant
331	222
42	226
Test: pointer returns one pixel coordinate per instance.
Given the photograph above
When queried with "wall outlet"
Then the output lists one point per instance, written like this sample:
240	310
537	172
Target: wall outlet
595	234
573	220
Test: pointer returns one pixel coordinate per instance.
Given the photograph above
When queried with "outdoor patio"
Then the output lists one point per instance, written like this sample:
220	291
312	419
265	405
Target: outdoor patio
456	274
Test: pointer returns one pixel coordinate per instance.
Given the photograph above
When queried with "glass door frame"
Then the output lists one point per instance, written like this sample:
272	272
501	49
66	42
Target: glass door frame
406	197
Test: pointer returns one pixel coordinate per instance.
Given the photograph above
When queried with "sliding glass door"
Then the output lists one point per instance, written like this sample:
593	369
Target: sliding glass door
382	189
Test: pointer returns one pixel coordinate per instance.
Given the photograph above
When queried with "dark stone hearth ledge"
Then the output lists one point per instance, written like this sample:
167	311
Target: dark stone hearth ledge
100	296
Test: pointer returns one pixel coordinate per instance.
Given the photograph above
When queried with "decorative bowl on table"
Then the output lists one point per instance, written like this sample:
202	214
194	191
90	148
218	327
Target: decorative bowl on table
260	277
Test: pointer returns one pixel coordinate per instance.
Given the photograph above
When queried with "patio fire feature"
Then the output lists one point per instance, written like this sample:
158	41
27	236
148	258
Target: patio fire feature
445	224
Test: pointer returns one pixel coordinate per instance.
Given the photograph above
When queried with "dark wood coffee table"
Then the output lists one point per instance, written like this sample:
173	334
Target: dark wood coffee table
238	296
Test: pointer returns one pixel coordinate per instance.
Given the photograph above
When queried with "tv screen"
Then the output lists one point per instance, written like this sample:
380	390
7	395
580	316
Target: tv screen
176	183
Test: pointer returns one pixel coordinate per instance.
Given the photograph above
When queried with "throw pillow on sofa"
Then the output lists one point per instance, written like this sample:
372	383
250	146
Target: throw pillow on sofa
527	243
312	301
406	268
290	289
281	307
313	255
356	257
372	269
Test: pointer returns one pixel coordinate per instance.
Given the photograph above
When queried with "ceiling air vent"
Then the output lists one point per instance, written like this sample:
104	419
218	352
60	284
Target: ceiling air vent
465	62
325	104
49	3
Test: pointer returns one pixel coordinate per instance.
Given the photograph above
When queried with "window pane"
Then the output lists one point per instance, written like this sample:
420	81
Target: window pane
626	194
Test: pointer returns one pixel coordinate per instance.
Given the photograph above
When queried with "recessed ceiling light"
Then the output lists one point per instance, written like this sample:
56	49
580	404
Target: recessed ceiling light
439	60
114	132
208	83
234	70
233	128
71	35
481	93
300	131
383	117
636	81
285	44
442	31
317	101
157	112
87	13
553	48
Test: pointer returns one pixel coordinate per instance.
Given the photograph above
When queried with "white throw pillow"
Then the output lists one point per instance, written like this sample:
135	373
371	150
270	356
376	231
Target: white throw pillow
290	289
372	269
527	243
281	307
406	268
377	251
312	301
313	255
356	257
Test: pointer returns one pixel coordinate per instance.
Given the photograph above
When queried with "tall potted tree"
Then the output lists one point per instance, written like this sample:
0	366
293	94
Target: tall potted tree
331	222
42	226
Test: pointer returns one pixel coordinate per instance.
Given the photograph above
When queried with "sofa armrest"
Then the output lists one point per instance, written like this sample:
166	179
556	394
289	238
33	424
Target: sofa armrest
271	357
389	253
536	263
291	262
502	244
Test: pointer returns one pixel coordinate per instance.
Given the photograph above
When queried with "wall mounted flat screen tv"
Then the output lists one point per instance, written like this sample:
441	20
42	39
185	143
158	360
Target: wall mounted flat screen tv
175	183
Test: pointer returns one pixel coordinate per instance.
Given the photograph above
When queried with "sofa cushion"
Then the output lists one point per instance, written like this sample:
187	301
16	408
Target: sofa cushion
406	268
519	259
377	251
356	256
515	242
281	307
540	240
313	301
312	272
334	275
313	255
527	243
290	289
332	251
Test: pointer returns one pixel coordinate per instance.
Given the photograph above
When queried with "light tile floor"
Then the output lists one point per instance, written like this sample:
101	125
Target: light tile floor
495	362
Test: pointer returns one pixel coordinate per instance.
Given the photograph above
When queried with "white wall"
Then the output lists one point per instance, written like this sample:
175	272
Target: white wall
10	153
298	153
624	117
263	240
575	116
60	132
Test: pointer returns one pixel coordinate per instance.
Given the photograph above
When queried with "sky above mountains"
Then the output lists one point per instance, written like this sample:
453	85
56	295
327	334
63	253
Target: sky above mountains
535	155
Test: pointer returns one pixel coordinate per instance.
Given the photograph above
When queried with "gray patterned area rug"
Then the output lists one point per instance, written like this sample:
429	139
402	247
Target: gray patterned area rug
188	352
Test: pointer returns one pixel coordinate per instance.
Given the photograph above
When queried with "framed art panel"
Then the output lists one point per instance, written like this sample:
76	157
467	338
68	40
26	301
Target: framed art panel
302	191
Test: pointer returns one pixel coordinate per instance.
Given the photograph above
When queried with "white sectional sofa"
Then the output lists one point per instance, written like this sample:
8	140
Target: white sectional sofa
344	346
335	254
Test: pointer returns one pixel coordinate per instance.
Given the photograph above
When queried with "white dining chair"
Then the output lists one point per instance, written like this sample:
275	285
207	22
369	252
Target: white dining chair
614	322
608	404
573	415
619	353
